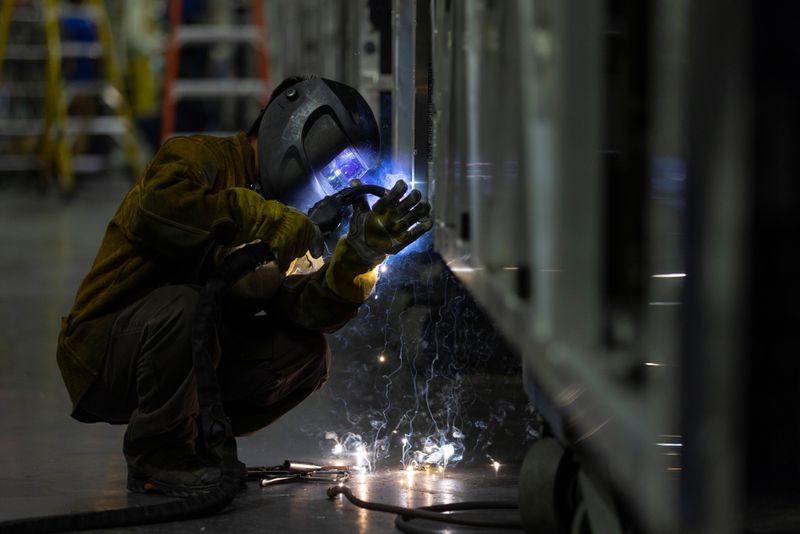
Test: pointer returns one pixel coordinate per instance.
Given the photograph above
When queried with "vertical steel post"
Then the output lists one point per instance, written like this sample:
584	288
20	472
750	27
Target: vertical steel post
403	33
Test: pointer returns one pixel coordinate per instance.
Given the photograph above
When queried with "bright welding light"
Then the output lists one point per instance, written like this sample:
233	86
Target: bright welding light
382	268
496	465
338	449
361	457
447	451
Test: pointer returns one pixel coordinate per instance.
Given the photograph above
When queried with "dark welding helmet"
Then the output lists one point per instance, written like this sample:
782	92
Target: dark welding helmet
314	138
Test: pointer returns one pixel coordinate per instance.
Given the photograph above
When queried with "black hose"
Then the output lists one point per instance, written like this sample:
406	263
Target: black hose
216	429
432	513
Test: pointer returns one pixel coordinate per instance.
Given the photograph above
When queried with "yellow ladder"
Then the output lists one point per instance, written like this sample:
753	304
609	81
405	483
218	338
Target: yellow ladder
58	130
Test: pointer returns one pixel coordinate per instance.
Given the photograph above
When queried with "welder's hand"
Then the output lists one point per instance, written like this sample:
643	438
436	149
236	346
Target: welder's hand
290	233
393	223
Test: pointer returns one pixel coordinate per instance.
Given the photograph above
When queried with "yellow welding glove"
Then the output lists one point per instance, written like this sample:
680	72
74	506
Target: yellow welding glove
393	223
288	232
348	275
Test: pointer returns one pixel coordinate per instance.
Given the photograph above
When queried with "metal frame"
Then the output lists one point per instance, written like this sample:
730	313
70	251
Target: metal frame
518	183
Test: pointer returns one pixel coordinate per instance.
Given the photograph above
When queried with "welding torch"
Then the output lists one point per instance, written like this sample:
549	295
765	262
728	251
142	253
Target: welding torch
327	214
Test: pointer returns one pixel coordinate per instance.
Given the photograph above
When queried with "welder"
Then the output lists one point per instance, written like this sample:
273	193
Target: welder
125	350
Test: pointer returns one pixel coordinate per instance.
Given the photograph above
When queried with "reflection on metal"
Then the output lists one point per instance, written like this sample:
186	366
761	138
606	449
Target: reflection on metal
403	33
536	123
592	432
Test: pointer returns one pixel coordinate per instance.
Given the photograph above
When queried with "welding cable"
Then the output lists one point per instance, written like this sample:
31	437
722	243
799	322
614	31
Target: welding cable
432	513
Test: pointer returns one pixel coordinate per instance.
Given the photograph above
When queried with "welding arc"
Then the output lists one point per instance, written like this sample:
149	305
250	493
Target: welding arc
216	428
432	513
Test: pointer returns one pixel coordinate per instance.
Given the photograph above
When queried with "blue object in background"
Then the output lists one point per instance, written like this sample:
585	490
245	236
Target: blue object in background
78	27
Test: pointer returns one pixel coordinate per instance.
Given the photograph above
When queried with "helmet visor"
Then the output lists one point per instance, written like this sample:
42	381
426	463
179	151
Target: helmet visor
337	174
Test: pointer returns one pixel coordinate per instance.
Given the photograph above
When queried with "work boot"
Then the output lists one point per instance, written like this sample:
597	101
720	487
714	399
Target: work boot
184	476
229	449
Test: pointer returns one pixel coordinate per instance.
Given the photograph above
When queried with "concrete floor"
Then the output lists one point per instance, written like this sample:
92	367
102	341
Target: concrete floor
50	463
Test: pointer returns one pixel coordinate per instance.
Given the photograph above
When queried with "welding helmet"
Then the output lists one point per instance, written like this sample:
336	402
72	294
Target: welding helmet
314	138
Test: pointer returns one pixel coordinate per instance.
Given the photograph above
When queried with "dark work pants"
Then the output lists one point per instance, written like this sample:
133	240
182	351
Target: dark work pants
264	368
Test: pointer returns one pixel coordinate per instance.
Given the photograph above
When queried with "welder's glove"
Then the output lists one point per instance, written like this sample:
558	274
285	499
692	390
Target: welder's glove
288	232
393	223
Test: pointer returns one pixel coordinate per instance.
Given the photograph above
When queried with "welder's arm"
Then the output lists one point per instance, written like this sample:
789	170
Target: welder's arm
326	300
181	212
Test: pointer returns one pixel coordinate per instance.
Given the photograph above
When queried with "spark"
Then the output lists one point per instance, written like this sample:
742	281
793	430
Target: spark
418	386
496	465
670	275
338	449
447	451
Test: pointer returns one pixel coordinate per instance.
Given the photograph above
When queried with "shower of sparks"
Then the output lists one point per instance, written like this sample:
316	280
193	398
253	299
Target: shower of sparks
425	407
494	463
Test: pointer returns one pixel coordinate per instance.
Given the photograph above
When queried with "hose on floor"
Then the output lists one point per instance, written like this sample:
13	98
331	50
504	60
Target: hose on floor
432	513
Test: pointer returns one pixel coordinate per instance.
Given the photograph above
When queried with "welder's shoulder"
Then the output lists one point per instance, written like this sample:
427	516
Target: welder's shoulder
189	148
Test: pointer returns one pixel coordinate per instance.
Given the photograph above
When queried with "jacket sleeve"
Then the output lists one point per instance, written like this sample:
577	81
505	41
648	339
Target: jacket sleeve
178	208
326	300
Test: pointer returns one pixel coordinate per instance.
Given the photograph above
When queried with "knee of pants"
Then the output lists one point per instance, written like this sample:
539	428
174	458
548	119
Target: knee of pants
180	301
323	357
316	355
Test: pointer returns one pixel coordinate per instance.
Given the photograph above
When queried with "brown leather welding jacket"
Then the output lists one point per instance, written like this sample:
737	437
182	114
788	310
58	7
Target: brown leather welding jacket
191	199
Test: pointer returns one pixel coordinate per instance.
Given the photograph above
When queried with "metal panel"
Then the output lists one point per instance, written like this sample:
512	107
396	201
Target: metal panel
538	136
403	34
478	195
